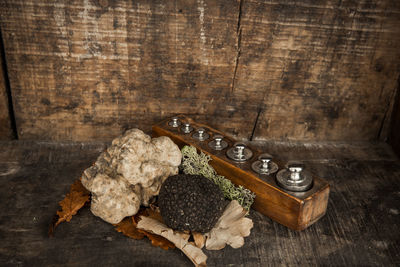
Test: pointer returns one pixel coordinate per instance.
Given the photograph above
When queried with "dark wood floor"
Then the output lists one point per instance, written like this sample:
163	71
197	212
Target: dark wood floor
361	226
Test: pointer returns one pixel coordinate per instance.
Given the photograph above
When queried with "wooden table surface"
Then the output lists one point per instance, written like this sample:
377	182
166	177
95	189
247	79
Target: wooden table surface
361	226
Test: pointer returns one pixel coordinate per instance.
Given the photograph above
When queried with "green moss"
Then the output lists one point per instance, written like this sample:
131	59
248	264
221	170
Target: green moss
197	164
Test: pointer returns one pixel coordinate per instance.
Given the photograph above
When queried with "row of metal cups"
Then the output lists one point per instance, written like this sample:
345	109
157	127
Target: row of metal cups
293	177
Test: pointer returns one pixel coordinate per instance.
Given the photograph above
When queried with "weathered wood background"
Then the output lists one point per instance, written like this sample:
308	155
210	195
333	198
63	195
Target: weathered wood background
321	70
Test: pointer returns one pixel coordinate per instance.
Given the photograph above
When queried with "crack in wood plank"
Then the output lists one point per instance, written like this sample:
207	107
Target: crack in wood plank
9	128
238	44
383	133
255	124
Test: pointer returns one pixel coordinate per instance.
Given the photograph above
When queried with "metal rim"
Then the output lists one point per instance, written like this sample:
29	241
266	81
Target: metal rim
284	182
273	167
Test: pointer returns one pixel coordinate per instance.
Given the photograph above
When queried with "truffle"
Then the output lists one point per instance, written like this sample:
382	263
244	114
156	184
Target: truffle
129	174
190	202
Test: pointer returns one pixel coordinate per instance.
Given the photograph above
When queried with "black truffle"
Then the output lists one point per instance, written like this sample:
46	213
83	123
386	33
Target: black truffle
190	202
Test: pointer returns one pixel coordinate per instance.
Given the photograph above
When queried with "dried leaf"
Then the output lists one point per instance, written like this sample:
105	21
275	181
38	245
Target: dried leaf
154	214
136	217
194	253
73	201
185	235
128	227
199	239
77	186
158	241
155	208
230	229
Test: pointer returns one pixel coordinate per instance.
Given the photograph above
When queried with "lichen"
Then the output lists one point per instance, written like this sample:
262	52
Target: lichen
197	164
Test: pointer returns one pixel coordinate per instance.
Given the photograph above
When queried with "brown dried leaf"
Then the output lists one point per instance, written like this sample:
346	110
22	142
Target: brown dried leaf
77	186
73	201
155	214
136	217
194	253
158	241
185	235
128	227
155	208
199	239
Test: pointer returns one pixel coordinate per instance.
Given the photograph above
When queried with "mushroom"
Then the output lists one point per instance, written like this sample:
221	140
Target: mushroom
190	202
129	174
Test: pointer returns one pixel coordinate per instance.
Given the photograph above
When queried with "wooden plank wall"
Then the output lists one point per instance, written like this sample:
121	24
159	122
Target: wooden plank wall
298	70
6	132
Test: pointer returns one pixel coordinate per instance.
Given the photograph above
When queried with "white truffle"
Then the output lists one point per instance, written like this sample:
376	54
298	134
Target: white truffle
129	174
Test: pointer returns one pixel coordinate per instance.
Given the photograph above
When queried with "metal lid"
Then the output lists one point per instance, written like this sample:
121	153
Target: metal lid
174	122
186	128
264	165
239	152
218	143
201	134
294	178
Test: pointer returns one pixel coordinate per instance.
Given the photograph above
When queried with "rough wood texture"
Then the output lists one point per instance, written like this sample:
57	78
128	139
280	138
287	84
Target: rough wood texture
394	138
280	69
332	66
360	227
6	132
294	210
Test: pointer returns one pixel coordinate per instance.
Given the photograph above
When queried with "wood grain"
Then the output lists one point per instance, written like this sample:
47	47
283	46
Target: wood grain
6	132
322	70
89	70
360	227
282	70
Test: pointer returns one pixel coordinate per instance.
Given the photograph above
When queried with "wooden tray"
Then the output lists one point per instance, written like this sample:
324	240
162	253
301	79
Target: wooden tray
296	210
